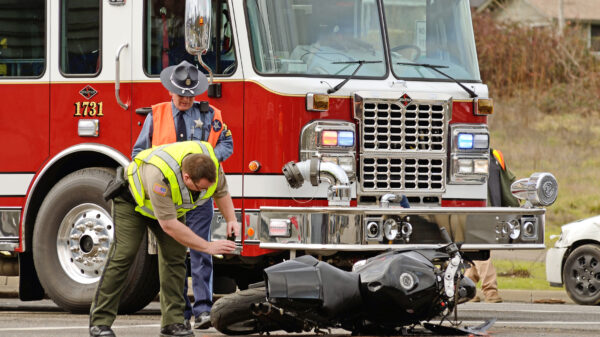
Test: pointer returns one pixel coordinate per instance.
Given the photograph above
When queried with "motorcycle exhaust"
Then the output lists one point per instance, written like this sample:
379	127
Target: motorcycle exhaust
261	308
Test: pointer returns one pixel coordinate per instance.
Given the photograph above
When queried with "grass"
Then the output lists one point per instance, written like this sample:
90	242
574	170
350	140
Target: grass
566	145
523	275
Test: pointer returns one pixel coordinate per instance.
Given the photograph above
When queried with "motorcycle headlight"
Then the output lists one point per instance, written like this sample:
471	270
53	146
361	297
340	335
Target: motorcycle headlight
408	280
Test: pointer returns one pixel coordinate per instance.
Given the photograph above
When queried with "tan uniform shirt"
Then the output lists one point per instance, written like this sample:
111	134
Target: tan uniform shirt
159	192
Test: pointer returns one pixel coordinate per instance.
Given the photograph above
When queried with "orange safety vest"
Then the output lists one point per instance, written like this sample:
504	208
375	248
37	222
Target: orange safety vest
164	125
500	158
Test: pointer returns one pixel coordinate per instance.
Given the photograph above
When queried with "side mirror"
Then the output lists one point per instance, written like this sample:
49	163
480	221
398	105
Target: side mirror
541	189
197	26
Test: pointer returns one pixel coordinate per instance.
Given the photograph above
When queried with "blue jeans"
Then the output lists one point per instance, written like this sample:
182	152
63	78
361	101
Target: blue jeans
200	266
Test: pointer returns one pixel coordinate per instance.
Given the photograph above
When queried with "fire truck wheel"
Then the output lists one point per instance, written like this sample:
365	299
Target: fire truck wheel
71	238
232	315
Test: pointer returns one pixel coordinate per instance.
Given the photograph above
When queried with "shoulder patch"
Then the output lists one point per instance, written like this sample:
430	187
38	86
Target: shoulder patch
216	124
228	133
160	189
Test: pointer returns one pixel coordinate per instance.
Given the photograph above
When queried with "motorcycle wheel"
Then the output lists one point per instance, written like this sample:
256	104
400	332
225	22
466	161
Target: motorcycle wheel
231	314
581	274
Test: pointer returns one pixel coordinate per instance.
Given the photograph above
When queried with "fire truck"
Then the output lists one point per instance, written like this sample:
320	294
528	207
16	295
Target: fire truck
343	113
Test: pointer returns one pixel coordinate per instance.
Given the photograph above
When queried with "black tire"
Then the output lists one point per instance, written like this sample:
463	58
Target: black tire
581	274
231	314
72	234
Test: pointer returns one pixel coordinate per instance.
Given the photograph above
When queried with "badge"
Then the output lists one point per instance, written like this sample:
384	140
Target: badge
405	100
160	189
88	92
216	124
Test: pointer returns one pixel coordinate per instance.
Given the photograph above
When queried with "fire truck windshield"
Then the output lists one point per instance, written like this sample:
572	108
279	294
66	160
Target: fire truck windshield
316	37
431	32
324	37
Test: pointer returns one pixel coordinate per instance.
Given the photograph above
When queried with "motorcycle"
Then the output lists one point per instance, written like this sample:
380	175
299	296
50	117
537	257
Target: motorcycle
396	292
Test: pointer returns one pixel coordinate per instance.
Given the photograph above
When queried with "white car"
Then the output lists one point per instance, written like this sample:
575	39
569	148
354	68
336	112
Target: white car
575	261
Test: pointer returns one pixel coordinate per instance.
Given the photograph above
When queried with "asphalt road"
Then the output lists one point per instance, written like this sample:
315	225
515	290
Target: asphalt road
44	318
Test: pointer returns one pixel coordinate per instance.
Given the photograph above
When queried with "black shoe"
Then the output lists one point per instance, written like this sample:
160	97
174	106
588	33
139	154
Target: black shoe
202	321
176	330
187	324
101	331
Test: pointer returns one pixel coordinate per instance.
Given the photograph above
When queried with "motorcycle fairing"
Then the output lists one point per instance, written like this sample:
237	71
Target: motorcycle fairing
308	282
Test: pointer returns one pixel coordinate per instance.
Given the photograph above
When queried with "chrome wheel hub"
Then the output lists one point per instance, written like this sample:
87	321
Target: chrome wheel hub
83	241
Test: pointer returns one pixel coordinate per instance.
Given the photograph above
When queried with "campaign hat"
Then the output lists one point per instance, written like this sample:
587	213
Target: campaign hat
184	79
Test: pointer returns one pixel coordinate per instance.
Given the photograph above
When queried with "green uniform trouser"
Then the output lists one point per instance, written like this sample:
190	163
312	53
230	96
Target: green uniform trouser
130	229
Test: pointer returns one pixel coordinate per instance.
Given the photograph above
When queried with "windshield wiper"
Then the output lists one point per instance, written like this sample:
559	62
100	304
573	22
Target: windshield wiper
435	67
341	84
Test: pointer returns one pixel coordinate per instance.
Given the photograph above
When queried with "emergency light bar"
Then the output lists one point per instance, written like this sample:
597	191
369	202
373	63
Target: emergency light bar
337	138
468	141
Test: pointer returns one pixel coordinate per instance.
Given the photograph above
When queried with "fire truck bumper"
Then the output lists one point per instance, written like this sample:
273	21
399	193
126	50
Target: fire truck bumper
329	230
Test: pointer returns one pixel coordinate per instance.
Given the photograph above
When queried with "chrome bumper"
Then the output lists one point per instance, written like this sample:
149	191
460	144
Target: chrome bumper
328	229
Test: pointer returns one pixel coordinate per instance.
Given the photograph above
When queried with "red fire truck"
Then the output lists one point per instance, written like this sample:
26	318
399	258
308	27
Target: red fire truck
340	111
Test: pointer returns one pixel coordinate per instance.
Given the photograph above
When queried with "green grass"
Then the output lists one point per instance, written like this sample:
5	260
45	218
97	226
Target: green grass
522	275
566	145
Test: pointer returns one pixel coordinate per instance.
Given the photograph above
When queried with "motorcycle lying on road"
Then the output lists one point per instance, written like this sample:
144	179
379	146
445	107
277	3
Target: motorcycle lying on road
394	293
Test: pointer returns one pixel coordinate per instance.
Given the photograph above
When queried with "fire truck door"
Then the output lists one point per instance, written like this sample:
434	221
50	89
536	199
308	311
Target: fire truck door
93	42
24	92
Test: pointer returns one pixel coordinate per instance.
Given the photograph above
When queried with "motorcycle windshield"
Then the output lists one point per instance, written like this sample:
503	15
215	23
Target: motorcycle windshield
436	32
317	37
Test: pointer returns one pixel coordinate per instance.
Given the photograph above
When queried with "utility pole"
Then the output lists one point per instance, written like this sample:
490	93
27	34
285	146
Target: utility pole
561	17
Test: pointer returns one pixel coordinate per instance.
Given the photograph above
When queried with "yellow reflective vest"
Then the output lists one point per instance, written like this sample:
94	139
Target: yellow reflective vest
168	158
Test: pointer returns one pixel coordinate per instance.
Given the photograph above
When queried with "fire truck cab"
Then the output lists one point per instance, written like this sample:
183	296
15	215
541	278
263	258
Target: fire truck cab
341	111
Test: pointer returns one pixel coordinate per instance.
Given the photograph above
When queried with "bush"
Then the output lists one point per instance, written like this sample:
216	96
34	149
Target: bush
515	58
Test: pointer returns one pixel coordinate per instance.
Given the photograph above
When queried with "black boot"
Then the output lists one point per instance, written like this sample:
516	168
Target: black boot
101	331
176	330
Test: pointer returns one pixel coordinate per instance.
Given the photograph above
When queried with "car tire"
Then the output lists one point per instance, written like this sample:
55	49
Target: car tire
581	275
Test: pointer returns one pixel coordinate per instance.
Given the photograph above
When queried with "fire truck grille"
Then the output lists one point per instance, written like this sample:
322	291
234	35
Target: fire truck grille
403	148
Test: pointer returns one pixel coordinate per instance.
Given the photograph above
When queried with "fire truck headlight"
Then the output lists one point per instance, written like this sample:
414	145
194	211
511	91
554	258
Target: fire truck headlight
481	166
468	170
469	154
465	166
469	166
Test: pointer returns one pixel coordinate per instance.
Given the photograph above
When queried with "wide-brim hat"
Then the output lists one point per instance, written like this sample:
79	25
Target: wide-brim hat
184	79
